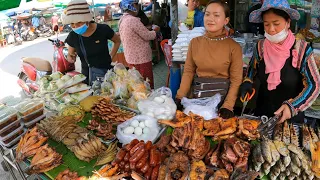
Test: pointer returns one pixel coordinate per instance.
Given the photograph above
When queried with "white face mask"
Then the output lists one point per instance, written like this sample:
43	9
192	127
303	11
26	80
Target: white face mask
282	35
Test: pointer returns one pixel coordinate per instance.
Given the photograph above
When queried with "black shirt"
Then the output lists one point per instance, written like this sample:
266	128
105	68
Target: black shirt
143	18
254	27
96	47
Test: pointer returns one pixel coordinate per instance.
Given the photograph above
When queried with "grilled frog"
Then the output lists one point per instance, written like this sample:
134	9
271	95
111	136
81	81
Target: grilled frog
278	131
306	137
293	136
313	134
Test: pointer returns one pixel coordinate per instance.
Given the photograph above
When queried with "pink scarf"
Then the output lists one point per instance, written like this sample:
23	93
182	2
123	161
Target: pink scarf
275	56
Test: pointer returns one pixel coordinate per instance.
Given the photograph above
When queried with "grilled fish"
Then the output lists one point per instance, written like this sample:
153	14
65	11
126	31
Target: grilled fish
278	131
257	154
292	176
296	150
286	133
281	166
282	176
266	167
276	170
313	134
295	169
306	137
281	147
293	136
274	152
266	151
286	161
295	159
272	176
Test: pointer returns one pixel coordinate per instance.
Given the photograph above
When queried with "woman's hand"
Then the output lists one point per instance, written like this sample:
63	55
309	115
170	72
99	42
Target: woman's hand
285	113
226	113
71	58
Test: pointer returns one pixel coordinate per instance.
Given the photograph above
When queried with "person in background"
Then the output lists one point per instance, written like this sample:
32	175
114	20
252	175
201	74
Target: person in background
149	6
54	20
89	41
42	21
286	68
143	17
107	16
202	59
135	38
195	16
256	28
35	21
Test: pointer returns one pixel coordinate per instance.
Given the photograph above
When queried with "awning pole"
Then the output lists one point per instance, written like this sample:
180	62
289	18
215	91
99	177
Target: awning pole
94	13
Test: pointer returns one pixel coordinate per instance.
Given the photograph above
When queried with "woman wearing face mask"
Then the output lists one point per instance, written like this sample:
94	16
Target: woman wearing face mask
285	67
215	56
89	41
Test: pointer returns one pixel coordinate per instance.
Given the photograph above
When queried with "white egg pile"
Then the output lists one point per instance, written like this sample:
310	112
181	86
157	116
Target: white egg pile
139	128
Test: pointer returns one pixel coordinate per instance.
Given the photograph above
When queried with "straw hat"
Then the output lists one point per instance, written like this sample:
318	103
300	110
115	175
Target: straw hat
77	11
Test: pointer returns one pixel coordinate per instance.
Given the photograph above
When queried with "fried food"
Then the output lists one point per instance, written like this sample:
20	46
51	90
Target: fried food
315	156
178	167
211	127
44	160
286	133
67	175
30	143
248	128
293	136
198	170
228	126
220	174
306	137
197	120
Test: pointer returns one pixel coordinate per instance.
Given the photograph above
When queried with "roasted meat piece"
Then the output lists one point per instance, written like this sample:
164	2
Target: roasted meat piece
197	120
198	170
228	126
211	127
178	167
221	174
248	129
163	142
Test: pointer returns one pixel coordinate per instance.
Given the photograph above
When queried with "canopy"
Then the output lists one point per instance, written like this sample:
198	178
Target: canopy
8	4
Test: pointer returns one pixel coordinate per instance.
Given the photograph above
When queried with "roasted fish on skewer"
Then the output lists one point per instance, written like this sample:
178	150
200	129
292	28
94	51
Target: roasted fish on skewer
306	137
278	132
314	136
286	133
293	136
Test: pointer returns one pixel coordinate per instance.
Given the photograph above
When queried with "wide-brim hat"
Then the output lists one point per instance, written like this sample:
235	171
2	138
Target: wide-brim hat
255	16
77	11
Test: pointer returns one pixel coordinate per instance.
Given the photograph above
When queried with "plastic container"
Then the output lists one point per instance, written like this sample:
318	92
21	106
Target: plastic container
15	133
12	127
34	122
32	116
8	115
29	106
13	142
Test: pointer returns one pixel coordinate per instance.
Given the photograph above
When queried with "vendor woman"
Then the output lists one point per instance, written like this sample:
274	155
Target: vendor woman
285	67
214	55
195	16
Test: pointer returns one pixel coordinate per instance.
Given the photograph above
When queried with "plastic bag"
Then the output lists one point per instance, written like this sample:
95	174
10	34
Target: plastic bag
205	107
109	76
120	89
120	70
132	103
106	87
149	122
159	104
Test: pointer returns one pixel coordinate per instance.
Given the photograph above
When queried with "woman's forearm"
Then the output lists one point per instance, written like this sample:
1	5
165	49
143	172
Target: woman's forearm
114	49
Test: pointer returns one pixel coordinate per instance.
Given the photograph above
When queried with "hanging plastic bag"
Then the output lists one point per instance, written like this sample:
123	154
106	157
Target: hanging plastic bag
205	107
159	104
140	127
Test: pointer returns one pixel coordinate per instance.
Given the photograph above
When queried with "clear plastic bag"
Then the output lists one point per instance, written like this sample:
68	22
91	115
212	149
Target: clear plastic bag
106	87
109	76
120	70
150	122
132	103
205	107
120	89
159	104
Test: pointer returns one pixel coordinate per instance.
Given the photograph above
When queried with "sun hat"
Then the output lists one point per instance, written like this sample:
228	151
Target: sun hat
128	5
255	16
77	11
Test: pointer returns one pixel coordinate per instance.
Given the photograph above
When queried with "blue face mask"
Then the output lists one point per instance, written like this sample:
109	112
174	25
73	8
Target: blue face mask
81	30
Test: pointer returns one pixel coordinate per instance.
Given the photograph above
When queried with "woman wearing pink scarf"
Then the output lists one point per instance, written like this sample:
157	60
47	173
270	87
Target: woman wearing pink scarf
285	67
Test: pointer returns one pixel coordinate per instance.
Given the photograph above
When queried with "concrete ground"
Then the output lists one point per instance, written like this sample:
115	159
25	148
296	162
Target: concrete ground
10	67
